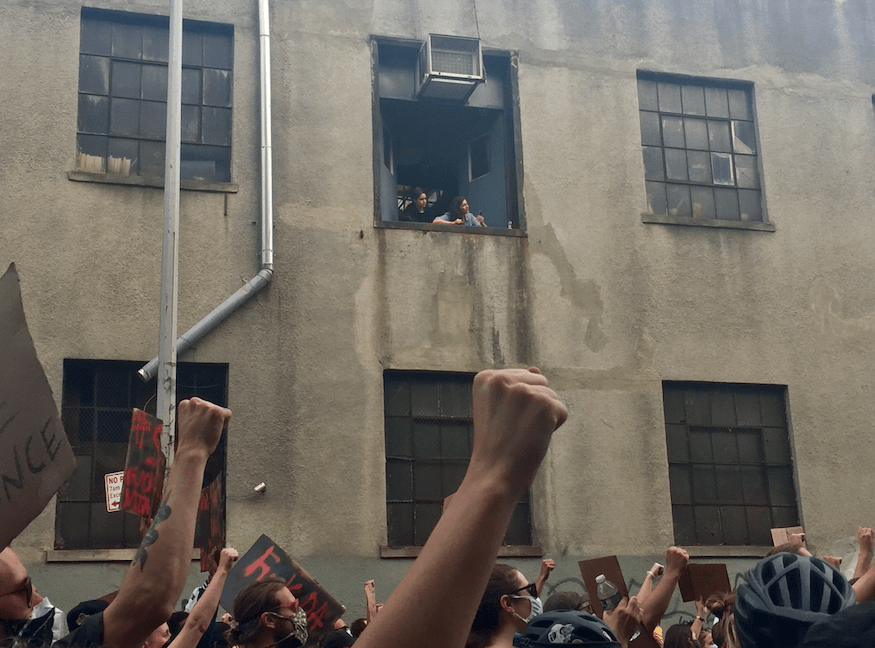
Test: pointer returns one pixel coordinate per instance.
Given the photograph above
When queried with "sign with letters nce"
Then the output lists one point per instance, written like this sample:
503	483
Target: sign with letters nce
35	455
265	559
144	467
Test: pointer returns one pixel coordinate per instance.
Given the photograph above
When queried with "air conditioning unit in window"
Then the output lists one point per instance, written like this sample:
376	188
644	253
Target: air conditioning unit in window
449	68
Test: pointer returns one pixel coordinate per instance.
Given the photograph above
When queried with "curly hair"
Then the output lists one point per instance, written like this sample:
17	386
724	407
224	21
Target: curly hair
253	601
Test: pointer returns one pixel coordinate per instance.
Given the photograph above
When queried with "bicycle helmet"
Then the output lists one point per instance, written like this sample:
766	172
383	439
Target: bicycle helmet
566	627
783	596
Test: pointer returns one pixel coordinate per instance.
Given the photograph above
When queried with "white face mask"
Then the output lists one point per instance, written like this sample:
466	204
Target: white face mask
537	607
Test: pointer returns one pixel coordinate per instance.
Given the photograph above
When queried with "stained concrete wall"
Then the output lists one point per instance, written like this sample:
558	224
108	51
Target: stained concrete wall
607	306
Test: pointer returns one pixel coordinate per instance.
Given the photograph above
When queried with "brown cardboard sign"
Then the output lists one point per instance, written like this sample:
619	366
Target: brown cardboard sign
610	567
264	559
144	467
781	535
35	455
210	530
701	580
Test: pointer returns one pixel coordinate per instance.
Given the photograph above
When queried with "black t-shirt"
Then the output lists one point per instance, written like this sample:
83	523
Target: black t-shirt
90	633
412	214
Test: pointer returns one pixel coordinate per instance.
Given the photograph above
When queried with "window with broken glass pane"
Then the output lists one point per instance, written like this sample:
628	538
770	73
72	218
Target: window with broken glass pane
429	429
730	463
123	96
700	149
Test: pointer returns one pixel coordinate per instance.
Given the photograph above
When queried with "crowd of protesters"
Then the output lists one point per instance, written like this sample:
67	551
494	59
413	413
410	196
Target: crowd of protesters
789	599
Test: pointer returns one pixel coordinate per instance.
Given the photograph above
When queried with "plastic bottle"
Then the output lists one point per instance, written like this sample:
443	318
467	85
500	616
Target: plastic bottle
607	592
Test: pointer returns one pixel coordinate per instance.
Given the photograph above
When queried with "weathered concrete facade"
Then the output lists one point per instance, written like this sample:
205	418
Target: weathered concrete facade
606	305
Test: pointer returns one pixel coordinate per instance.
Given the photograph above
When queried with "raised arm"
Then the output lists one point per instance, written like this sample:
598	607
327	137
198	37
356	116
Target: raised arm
370	600
701	613
647	585
515	414
865	550
155	579
204	611
676	560
547	565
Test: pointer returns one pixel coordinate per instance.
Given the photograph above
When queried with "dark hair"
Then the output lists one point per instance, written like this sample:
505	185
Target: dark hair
176	621
358	626
253	600
566	601
677	636
418	192
455	207
502	581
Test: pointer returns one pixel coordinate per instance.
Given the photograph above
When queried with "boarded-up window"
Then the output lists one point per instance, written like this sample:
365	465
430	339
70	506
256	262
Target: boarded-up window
98	396
429	430
730	463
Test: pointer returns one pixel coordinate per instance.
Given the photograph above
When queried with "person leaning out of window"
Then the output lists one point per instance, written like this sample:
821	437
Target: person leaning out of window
459	215
418	210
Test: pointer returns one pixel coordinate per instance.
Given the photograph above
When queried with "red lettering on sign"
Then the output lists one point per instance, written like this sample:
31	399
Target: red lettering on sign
315	615
139	426
261	563
156	441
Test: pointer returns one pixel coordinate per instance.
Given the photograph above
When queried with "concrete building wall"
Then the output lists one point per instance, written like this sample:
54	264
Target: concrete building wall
606	305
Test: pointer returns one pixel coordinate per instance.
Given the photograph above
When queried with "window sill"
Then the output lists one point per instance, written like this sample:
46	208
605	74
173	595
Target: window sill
708	222
515	551
158	183
727	551
98	555
432	227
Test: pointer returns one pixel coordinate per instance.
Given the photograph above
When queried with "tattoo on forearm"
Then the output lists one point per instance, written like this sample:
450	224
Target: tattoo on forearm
151	535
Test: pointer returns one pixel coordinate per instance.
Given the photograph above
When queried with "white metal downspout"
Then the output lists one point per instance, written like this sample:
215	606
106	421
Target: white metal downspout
264	276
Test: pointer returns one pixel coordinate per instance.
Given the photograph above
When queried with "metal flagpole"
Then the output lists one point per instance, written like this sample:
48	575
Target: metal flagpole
166	406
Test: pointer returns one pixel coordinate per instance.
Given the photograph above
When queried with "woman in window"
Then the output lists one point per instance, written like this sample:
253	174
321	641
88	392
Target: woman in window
418	210
459	215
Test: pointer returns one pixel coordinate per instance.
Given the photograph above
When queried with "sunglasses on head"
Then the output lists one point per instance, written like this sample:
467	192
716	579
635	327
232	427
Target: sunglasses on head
531	589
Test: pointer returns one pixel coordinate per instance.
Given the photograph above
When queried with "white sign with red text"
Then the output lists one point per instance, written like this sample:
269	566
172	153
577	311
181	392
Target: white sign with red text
114	482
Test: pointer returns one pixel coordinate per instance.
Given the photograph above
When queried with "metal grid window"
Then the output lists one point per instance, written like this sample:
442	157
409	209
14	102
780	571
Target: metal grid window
123	96
429	430
700	149
98	396
730	463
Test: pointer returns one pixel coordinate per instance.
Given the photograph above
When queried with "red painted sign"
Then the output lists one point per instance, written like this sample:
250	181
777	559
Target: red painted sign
144	467
265	558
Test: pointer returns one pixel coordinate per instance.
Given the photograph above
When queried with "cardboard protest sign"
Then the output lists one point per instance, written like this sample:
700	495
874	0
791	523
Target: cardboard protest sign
210	530
144	467
701	580
113	483
781	535
610	567
264	559
35	455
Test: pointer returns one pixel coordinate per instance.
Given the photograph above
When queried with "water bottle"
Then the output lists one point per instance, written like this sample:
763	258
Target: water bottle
607	592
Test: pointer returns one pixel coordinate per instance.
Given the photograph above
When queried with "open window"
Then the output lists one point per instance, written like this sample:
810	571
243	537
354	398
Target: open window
442	143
